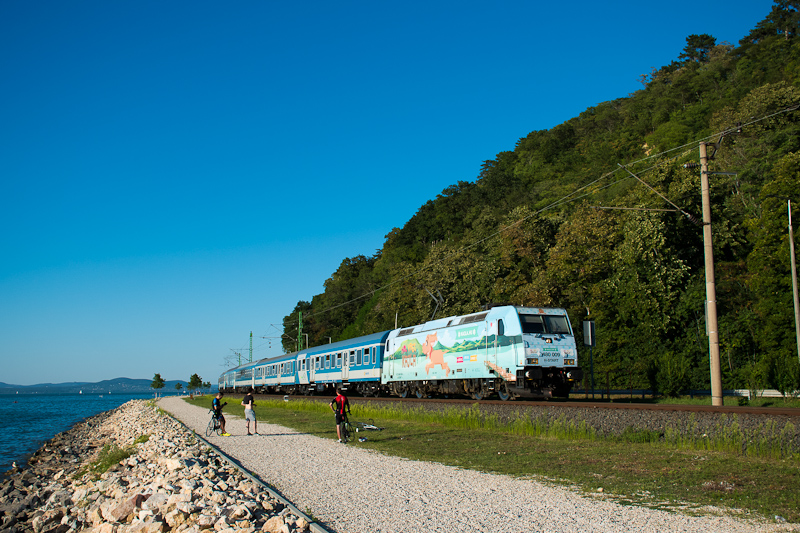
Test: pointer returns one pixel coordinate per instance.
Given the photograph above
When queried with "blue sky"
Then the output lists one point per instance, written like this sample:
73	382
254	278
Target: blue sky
175	175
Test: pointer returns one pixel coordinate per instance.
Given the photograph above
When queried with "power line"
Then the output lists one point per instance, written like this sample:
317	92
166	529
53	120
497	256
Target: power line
566	199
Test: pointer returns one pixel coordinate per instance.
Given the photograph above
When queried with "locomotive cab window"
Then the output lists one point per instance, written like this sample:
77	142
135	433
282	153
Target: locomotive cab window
531	323
557	324
545	324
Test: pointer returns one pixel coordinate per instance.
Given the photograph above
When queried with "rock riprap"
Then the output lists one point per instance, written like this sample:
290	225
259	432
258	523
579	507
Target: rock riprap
171	481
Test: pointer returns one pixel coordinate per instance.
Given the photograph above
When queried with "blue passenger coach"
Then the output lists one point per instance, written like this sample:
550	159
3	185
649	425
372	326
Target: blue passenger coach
354	364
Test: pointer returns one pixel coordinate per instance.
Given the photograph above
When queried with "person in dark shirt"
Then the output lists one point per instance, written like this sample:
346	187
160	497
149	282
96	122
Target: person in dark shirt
338	405
249	413
217	405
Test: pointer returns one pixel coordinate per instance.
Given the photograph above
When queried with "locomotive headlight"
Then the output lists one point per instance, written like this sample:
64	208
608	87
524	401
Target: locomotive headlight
569	362
533	361
549	341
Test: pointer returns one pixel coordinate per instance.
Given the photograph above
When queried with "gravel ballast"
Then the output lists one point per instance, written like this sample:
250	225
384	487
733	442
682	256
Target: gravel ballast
353	490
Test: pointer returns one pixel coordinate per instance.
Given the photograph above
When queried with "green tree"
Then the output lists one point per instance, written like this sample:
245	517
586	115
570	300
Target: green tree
783	20
769	263
157	382
194	383
698	47
178	386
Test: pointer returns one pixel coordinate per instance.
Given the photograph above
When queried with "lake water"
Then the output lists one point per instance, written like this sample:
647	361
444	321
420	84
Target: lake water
29	420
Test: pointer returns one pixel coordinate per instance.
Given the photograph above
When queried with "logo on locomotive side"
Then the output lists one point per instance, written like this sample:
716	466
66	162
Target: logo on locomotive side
409	357
470	332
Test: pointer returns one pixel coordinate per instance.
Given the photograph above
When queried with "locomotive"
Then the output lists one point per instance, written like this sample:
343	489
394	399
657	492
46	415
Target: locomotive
510	351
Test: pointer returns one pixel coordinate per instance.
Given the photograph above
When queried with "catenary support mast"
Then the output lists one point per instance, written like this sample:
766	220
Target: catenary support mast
711	290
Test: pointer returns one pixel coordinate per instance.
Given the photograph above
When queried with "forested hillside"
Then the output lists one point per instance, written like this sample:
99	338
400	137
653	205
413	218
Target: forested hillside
530	228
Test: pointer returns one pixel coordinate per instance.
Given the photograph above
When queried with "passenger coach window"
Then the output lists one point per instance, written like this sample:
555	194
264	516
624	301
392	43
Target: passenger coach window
358	357
352	358
366	356
338	360
328	361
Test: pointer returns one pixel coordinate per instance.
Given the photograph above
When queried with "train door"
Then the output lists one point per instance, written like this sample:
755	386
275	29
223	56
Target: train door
345	366
388	363
302	375
501	331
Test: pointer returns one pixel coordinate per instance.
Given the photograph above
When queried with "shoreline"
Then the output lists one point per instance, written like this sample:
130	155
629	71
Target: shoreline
174	481
36	419
171	481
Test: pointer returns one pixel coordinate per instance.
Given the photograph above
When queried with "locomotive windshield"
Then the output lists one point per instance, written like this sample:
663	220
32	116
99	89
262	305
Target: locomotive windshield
544	324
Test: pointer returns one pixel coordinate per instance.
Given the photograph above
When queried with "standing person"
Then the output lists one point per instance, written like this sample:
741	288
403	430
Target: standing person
217	405
249	413
338	406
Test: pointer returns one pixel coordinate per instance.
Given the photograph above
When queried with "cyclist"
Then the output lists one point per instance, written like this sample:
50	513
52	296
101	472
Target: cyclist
217	405
338	405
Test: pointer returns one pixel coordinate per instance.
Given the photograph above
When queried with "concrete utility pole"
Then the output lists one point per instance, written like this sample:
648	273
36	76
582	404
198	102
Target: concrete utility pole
794	281
711	290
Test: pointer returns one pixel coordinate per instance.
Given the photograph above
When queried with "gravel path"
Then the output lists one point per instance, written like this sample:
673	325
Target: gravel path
352	490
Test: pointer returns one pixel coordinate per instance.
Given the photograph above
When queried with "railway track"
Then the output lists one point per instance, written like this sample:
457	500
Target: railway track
569	404
697	423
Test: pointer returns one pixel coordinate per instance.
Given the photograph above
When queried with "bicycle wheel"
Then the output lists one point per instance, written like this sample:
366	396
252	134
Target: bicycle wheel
211	427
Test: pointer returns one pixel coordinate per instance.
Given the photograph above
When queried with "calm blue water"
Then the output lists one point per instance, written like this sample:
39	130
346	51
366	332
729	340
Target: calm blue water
29	420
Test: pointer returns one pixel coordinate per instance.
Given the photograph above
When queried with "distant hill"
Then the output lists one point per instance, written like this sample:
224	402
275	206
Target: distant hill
113	386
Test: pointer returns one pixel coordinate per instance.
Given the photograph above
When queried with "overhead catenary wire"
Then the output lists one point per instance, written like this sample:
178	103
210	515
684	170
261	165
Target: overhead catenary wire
566	199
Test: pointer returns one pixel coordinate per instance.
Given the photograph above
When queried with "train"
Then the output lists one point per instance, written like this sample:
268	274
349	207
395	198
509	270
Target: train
504	350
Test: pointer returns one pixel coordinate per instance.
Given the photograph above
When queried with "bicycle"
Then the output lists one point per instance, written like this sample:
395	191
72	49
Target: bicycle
347	428
214	425
367	426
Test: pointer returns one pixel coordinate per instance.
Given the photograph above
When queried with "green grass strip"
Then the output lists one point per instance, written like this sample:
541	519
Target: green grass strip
639	467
